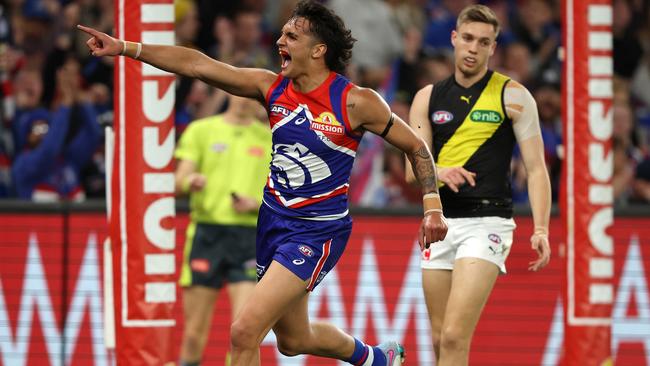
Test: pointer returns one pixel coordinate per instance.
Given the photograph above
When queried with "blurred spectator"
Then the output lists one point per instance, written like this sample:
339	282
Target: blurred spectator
534	26
442	21
627	47
641	77
277	13
517	63
549	106
503	11
186	21
209	10
9	64
201	101
27	93
408	14
641	185
5	166
56	145
434	67
238	42
93	175
98	14
187	27
33	32
403	79
367	177
379	41
641	93
240	39
398	191
625	153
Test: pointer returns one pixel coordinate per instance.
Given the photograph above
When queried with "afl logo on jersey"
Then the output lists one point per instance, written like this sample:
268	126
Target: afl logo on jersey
441	117
278	109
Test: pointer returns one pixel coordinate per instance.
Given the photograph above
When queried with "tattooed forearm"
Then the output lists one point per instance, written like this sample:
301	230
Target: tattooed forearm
424	169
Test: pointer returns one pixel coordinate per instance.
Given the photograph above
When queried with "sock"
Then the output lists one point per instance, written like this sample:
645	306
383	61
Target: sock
365	355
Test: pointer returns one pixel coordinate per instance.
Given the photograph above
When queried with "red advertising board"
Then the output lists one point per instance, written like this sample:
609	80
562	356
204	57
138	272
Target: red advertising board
374	292
587	191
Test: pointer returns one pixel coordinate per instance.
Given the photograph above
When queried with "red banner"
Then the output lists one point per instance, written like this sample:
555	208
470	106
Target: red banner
50	296
587	196
142	230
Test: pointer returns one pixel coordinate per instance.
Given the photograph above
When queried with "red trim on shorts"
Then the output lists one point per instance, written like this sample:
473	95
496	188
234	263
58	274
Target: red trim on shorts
320	265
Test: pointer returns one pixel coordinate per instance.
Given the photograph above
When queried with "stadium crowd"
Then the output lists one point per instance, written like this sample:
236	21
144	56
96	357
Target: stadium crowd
56	98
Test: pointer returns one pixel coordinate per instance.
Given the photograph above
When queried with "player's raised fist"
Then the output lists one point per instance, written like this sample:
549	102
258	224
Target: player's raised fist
101	44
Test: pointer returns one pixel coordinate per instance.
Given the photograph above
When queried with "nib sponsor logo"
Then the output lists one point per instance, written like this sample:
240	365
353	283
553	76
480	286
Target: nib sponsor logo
486	116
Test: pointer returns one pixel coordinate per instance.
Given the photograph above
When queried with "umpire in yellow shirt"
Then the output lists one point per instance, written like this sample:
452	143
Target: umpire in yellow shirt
223	163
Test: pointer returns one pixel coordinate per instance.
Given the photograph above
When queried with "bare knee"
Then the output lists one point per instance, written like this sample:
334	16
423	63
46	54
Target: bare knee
436	335
193	341
243	336
291	346
454	340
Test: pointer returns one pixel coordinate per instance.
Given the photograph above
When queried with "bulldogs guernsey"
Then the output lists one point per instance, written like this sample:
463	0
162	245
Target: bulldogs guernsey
313	149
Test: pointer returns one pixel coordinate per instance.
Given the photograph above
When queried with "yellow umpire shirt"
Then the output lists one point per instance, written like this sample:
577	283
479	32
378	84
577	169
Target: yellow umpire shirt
234	159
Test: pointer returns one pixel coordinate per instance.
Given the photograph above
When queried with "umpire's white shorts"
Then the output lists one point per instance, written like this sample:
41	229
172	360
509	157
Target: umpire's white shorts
488	238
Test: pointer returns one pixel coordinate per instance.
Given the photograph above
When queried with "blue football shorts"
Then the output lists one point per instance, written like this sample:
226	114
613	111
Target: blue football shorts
308	248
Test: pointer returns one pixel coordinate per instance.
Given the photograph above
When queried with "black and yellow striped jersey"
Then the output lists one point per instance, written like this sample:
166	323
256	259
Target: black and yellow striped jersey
471	129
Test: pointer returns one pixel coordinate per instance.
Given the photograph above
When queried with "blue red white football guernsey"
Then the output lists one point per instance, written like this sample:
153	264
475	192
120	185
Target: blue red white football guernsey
313	149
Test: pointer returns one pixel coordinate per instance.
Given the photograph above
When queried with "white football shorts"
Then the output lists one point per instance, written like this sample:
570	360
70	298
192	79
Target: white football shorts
488	238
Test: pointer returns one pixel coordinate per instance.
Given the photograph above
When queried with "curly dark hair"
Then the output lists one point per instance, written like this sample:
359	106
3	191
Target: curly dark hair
329	28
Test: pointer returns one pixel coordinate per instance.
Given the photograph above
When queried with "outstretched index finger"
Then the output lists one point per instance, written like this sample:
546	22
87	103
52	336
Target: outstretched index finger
89	30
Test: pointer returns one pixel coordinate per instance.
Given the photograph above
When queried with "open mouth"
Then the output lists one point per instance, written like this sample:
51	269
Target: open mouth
286	59
470	61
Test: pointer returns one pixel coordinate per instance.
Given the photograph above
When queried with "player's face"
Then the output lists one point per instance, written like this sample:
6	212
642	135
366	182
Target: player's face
474	43
296	47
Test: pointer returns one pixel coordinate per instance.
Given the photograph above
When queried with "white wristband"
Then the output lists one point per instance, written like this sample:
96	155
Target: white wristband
138	50
430	195
123	48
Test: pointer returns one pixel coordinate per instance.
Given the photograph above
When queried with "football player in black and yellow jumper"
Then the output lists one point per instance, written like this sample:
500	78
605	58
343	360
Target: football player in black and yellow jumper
472	121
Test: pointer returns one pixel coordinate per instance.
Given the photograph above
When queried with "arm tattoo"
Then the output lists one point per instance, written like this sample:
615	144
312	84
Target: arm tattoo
424	169
351	105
